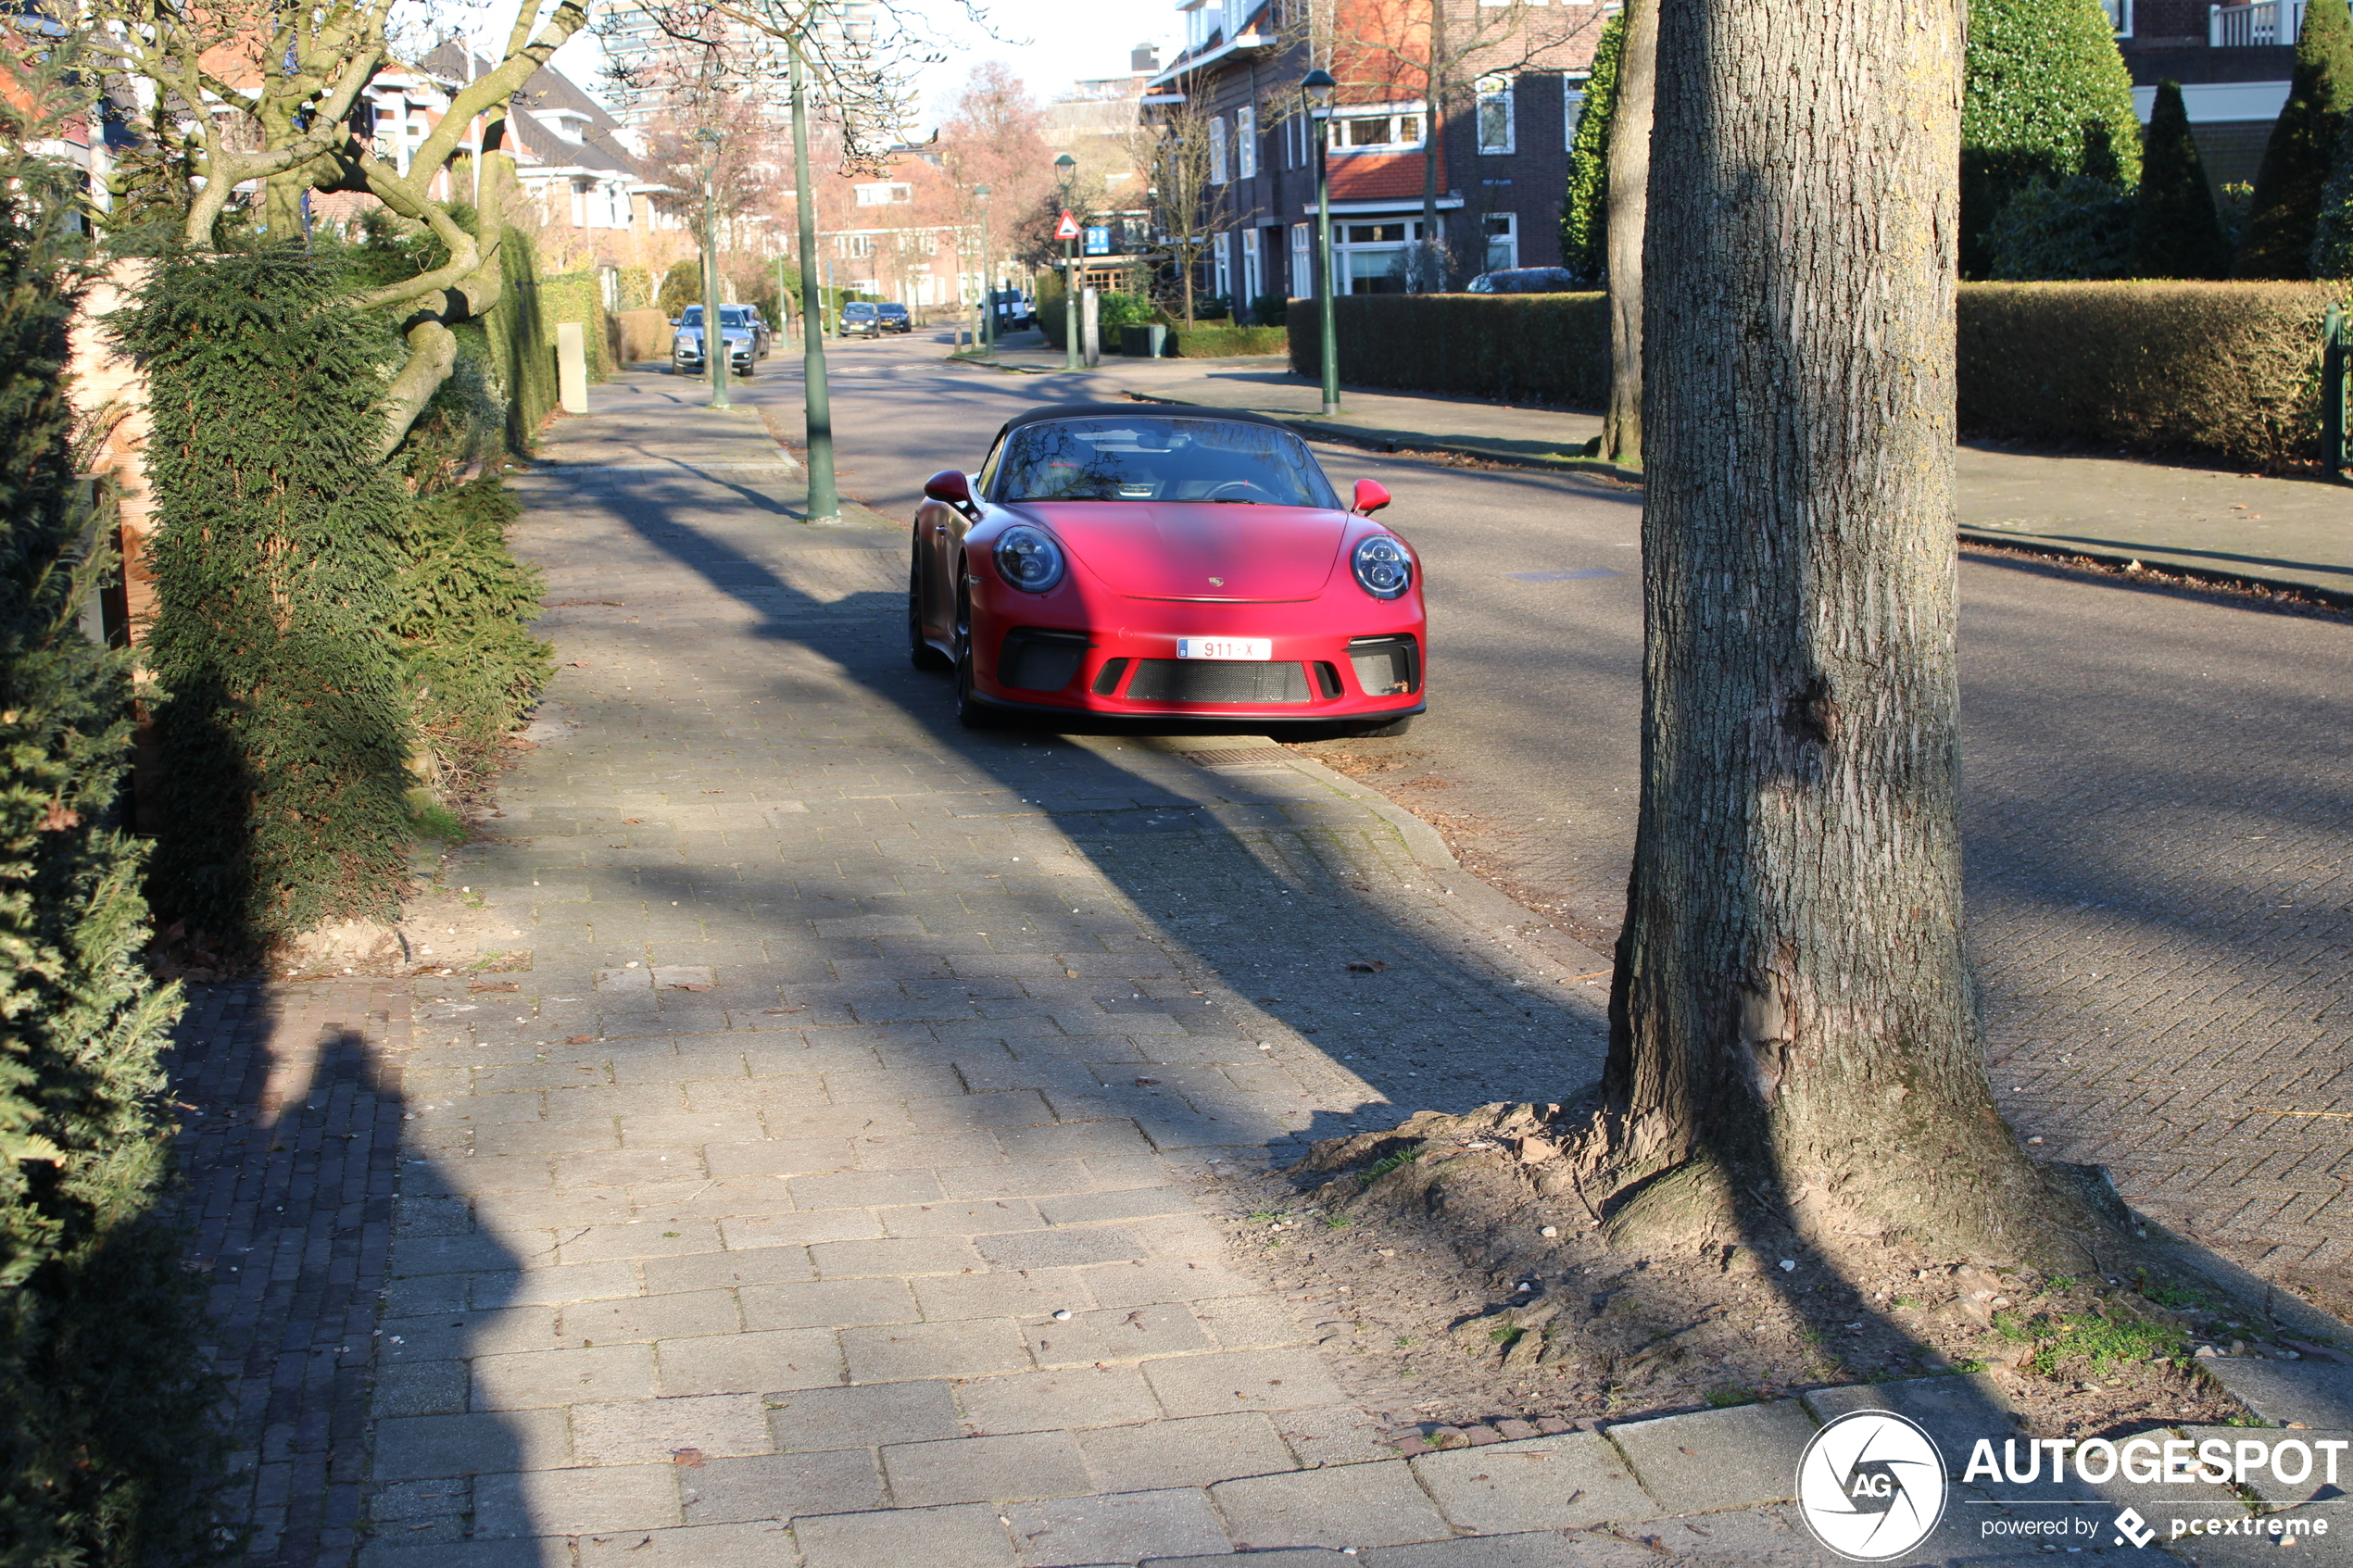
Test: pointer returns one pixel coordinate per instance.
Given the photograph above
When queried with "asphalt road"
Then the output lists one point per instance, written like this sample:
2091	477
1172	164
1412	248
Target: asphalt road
2158	804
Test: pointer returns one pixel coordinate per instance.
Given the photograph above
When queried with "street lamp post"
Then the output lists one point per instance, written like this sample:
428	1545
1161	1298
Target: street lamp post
1066	166
988	292
714	341
825	505
1316	88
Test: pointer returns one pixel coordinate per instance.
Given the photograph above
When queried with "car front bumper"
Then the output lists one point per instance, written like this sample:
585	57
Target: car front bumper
1363	661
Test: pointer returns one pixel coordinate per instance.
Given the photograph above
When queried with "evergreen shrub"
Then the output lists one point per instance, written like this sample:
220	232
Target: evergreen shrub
277	554
1223	340
2073	229
1540	347
1585	210
2284	218
522	345
471	668
108	1453
577	296
2332	225
2176	232
681	286
2046	97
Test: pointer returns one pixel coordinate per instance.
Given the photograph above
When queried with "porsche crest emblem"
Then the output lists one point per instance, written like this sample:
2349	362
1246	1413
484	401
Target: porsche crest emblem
1218	582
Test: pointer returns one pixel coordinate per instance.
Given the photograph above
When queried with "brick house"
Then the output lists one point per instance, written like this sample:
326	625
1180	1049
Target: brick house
2234	63
1502	150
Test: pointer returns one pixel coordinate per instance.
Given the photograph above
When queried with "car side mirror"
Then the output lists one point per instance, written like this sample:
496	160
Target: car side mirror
951	486
675	321
1370	497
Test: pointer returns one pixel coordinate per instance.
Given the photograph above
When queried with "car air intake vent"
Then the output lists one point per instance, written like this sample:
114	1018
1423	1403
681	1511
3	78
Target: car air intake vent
1221	681
1387	666
1038	660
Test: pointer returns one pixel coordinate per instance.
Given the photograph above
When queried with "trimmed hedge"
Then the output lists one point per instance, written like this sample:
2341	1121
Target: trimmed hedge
2231	368
1537	348
577	296
1220	340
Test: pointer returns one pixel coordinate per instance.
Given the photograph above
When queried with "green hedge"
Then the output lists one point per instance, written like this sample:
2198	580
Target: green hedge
577	296
109	1450
1533	348
1220	340
2230	369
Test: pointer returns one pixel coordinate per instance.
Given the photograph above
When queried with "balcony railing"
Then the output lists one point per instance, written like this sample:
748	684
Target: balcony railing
2251	26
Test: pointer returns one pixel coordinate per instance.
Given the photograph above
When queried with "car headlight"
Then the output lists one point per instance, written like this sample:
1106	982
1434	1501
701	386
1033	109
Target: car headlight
1382	567
1029	559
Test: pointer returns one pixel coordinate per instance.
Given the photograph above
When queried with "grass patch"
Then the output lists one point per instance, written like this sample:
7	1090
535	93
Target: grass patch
431	822
2094	1342
1505	1337
1724	1396
1336	1222
1380	1168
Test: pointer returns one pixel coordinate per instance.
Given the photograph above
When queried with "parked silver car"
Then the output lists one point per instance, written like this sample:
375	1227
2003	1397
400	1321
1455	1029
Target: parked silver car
739	325
1526	280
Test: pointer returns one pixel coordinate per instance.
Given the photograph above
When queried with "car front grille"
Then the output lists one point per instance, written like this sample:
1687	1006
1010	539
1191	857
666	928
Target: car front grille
1218	681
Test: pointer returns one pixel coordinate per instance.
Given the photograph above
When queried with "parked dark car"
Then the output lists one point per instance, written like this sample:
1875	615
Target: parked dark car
860	319
894	319
1527	279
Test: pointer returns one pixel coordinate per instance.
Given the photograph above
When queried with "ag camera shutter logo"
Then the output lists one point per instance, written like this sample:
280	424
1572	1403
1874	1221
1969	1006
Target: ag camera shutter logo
1872	1485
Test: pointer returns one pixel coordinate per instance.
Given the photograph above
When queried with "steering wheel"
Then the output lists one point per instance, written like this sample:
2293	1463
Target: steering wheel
1217	493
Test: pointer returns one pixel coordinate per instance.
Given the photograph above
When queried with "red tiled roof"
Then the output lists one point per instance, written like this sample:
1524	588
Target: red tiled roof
1381	176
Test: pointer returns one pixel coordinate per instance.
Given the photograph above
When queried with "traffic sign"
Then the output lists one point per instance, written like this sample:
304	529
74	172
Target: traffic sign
1068	228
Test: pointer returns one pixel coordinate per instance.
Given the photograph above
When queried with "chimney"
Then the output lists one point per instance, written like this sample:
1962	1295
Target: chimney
1144	59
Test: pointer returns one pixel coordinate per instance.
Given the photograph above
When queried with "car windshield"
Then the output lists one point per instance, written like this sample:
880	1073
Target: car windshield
894	310
1161	459
857	309
729	316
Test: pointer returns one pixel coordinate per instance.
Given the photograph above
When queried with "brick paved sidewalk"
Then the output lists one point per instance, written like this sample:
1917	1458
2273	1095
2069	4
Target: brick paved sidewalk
2221	523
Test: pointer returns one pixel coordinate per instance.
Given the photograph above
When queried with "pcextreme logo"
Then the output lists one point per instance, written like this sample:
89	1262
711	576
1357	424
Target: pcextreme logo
1872	1485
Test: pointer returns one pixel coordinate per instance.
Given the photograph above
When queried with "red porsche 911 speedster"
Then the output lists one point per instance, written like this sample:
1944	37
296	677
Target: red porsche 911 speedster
1143	562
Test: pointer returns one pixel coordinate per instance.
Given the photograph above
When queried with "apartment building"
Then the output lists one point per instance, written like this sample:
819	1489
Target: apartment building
1499	152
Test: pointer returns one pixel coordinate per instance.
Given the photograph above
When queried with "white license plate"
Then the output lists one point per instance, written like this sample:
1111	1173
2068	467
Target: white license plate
1254	650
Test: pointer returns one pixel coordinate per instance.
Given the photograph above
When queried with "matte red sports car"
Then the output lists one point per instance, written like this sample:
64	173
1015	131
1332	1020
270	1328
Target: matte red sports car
1139	562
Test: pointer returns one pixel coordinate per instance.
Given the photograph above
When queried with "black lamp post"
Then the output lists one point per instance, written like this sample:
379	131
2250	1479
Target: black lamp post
1066	166
1316	88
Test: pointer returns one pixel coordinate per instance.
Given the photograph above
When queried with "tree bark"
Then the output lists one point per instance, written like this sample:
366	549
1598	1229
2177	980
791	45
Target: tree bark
1629	182
1792	1016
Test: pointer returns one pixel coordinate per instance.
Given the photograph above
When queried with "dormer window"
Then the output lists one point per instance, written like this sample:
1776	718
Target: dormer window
571	125
1355	131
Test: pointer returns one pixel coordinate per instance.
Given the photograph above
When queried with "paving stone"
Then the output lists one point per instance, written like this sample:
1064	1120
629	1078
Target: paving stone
737	1266
864	1189
968	1218
967	1349
1223	1382
1565	1482
1066	1400
550	1551
1123	1528
421	1445
1124	1204
1150	1281
750	1362
2281	1392
422	1388
1349	1505
577	1502
1059	1248
843	1303
968	1535
1717	1458
724	1491
654	1431
545	1378
758	1544
1115	1336
1196	1452
998	1469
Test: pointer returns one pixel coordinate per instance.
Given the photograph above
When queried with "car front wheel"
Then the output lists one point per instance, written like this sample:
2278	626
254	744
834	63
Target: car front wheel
970	712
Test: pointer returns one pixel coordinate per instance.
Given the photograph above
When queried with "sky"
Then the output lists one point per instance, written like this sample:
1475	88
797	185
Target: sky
1050	43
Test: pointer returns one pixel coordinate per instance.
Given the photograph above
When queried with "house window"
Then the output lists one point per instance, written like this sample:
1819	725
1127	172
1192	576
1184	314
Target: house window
1254	269
1372	258
1222	262
885	193
1245	143
1502	241
1496	130
1572	107
1217	150
1303	269
2120	15
1377	133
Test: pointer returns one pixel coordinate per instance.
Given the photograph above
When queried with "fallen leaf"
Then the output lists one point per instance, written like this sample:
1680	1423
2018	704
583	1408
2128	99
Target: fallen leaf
688	1458
687	985
631	821
581	1040
58	818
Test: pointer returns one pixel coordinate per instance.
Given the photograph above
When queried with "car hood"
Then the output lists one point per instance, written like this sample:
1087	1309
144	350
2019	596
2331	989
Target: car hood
1172	549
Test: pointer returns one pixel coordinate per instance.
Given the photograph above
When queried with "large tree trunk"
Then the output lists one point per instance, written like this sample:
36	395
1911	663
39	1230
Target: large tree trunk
1792	1017
1630	183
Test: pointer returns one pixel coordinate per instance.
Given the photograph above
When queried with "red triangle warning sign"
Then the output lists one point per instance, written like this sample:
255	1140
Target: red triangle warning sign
1068	228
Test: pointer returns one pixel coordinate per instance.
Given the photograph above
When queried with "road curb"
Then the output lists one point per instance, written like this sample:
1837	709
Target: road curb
2152	559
